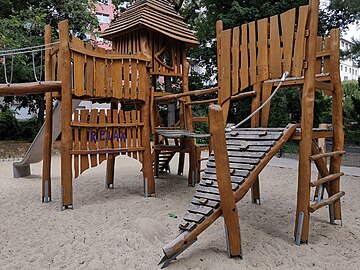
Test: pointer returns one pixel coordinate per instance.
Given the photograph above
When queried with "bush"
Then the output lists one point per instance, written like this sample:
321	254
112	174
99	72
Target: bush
28	129
9	126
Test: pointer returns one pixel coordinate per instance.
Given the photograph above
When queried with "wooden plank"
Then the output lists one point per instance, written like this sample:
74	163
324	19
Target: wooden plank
93	143
102	133
187	226
139	138
76	145
200	209
254	161
265	111
244	68
235	52
106	151
128	131
234	179
252	52
225	71
211	197
275	49
287	25
246	154
122	130
236	172
240	166
206	202
134	79
263	50
250	148
256	137
327	64
211	190
319	60
299	49
79	66
126	79
90	68
117	79
197	218
100	70
142	76
235	141
84	164
134	133
115	119
214	183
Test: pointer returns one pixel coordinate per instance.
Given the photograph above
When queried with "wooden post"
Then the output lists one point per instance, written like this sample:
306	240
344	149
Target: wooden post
46	174
228	203
110	166
337	117
149	183
307	118
322	144
255	121
66	113
188	120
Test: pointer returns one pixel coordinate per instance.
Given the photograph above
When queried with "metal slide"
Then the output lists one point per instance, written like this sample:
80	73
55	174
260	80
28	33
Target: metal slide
36	151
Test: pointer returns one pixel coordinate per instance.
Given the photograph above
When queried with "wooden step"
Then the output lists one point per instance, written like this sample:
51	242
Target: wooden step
329	154
324	202
326	179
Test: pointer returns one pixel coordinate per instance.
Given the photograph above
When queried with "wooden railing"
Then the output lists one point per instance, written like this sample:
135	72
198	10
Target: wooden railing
98	134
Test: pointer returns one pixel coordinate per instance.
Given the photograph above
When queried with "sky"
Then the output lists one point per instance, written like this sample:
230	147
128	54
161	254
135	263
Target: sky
353	32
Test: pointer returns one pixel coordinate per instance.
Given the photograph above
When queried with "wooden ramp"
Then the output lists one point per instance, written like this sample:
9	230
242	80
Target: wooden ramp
249	151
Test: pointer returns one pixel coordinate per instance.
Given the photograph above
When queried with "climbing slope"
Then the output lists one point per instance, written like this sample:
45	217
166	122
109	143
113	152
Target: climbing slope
36	151
249	151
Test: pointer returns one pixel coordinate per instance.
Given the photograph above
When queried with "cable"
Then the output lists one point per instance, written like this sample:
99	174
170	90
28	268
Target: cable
283	78
41	66
29	48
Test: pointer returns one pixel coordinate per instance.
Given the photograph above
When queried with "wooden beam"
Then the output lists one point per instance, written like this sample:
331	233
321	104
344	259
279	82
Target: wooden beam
66	113
22	89
228	203
325	202
326	179
187	94
329	154
46	173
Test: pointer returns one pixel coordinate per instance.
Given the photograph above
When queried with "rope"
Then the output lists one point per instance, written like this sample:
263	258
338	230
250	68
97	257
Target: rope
11	71
29	48
283	78
41	66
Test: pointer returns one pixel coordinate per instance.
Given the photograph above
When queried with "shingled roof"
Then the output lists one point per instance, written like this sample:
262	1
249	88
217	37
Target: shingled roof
157	15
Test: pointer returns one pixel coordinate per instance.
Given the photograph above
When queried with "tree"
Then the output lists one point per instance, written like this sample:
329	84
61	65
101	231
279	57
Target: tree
22	25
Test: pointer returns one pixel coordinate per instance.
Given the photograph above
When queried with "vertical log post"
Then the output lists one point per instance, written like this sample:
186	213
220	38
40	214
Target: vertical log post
110	166
307	118
149	183
255	122
228	203
188	121
337	118
322	144
66	113
46	174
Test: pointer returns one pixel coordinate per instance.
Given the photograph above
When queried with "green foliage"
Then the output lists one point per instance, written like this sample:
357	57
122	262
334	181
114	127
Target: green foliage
28	129
9	126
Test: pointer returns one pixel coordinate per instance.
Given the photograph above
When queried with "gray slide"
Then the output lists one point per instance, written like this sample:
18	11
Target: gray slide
36	151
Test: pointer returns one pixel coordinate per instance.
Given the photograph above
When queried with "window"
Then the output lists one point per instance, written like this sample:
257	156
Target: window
355	72
346	78
341	67
350	70
342	43
345	69
105	2
103	18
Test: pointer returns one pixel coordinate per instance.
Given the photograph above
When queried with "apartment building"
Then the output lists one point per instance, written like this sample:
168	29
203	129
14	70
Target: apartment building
348	68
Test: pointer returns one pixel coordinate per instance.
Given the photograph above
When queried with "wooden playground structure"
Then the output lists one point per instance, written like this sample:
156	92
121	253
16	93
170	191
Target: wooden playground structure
255	60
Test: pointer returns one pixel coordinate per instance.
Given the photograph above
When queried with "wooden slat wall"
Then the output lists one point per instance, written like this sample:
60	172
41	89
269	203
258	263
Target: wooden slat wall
106	74
105	133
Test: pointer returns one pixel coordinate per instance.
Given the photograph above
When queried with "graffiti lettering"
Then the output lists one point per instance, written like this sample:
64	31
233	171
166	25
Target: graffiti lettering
106	135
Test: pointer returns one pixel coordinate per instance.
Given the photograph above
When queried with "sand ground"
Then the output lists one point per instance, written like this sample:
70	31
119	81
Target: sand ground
120	229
